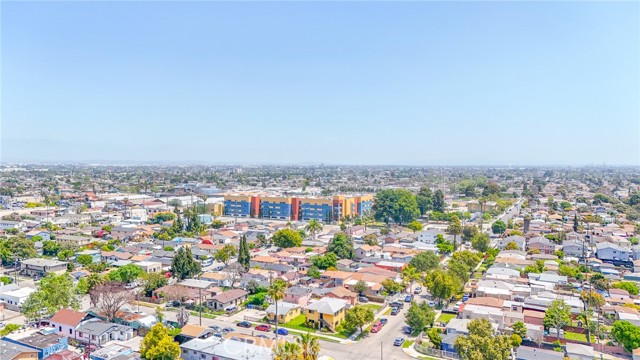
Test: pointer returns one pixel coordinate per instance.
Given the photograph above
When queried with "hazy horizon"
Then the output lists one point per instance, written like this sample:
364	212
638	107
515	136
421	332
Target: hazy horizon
293	83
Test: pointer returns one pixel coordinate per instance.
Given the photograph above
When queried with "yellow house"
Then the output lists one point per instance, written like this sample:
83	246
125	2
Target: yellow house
326	312
286	312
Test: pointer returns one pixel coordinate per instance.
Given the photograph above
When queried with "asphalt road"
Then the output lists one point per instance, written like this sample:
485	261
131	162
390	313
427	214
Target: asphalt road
373	346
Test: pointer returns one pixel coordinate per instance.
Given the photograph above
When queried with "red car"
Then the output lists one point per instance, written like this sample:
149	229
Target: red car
376	327
263	327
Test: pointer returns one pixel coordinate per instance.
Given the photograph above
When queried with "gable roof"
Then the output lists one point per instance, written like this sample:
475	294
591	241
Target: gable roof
327	305
68	317
229	295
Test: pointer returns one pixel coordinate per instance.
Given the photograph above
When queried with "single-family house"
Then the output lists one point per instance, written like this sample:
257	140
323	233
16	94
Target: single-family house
228	299
42	267
286	312
542	244
607	251
297	295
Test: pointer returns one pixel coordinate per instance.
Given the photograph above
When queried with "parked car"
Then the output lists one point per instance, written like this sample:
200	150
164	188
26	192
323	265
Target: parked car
262	336
263	327
407	330
363	299
131	285
281	331
432	304
215	328
228	330
384	321
408	298
398	341
376	327
231	308
397	304
217	334
244	324
395	311
417	290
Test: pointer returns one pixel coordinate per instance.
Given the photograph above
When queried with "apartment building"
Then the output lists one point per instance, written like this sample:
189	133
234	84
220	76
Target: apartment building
292	208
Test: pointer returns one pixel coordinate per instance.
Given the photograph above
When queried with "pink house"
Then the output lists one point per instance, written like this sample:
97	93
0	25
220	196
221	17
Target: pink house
297	295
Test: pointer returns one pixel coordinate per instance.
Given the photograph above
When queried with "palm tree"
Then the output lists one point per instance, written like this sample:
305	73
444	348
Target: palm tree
309	345
287	351
409	274
276	293
314	226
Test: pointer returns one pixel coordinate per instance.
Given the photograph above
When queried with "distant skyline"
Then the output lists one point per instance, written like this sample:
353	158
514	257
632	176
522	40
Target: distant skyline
358	83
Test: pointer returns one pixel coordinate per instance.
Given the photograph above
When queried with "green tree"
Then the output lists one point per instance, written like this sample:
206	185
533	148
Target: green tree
455	229
244	258
440	284
287	351
425	261
468	232
313	272
395	205
360	287
342	246
626	285
277	292
459	270
225	254
286	238
50	248
557	315
357	316
9	328
152	281
438	201
420	316
309	346
511	246
481	242
217	224
498	227
125	274
626	334
84	259
54	292
592	299
371	240
183	265
409	275
391	287
435	337
415	226
520	329
326	261
482	343
470	258
314	227
159	345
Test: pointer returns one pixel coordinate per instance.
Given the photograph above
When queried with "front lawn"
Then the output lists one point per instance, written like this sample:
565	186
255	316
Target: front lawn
387	312
373	307
407	344
298	323
445	317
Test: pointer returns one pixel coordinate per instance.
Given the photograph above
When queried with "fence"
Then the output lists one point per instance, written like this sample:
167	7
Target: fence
435	352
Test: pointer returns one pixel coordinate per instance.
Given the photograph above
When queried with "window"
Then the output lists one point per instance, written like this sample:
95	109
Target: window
70	331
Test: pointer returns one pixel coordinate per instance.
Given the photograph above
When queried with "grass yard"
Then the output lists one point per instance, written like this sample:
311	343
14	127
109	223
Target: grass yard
298	323
373	307
444	317
577	336
387	312
407	344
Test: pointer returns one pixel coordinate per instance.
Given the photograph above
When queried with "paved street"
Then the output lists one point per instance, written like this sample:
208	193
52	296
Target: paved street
374	346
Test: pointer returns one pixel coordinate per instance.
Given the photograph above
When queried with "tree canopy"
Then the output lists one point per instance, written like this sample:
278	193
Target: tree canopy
357	317
395	205
482	343
54	292
627	334
183	265
286	238
425	261
159	345
481	242
341	245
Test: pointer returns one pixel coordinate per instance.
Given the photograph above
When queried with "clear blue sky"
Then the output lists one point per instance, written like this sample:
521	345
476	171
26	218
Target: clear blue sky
513	83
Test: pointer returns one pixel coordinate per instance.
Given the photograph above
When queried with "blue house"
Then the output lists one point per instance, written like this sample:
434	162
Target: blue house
46	342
